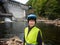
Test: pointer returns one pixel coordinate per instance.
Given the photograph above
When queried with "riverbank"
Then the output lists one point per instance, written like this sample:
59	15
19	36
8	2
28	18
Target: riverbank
46	21
54	22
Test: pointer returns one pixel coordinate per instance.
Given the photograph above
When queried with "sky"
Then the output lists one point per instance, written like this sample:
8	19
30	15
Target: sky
22	1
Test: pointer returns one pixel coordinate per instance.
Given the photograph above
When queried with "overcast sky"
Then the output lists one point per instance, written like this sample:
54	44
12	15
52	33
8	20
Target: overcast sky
22	1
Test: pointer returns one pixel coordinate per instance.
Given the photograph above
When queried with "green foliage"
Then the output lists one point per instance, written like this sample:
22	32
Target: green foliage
45	8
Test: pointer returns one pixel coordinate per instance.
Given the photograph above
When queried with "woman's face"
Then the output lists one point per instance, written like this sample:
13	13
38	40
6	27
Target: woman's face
31	23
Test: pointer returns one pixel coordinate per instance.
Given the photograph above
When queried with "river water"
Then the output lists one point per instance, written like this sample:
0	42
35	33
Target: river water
51	33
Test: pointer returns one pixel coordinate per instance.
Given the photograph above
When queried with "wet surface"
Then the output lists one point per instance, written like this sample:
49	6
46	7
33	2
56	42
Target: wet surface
8	30
50	32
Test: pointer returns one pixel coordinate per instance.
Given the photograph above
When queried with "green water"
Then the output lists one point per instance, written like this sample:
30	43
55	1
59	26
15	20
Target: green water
51	33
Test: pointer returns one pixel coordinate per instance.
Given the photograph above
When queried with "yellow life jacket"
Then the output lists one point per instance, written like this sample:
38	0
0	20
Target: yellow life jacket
31	38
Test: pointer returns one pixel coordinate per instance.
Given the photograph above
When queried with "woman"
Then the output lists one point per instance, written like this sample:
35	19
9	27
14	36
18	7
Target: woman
33	35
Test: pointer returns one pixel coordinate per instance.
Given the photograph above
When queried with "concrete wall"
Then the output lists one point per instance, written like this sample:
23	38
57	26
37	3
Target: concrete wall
16	10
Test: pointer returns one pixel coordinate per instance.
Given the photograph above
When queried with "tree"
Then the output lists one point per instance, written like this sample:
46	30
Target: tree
45	8
37	4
